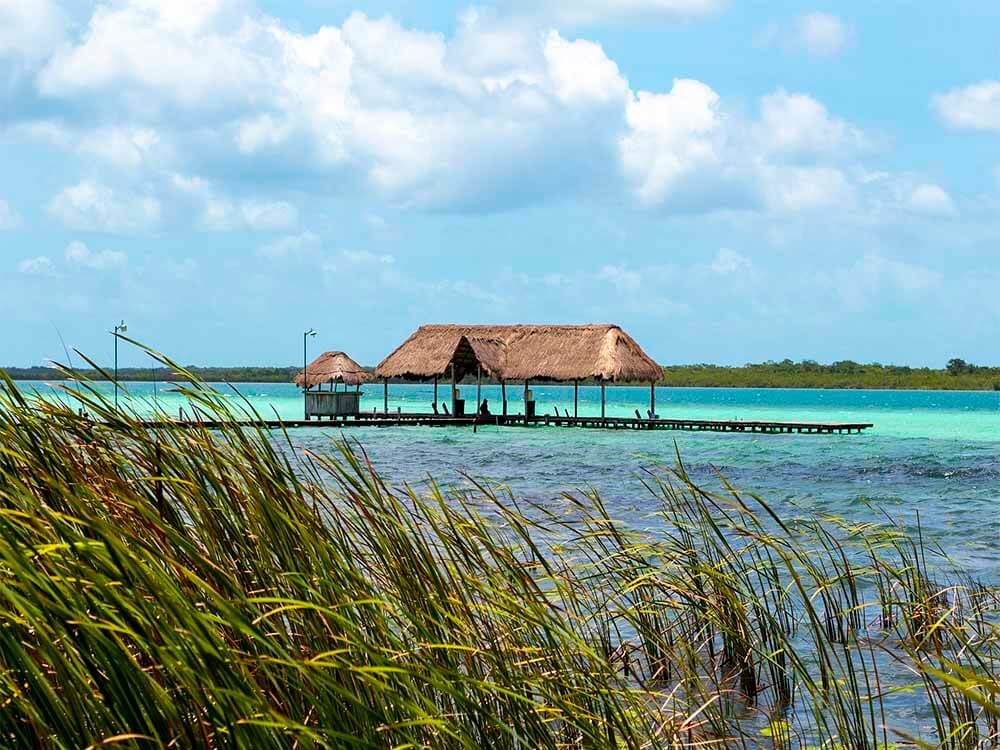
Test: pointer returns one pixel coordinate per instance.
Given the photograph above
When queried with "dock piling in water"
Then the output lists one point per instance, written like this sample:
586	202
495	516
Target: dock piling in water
375	419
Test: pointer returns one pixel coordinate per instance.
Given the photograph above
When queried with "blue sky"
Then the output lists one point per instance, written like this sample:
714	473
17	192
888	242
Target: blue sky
730	181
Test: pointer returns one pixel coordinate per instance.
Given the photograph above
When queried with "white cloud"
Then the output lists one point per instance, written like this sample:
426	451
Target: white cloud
423	120
821	33
587	12
729	262
125	147
671	136
975	107
790	189
931	200
500	114
817	34
684	152
40	266
876	272
622	278
29	31
581	73
211	54
214	212
92	207
219	213
294	245
8	218
79	254
269	215
797	125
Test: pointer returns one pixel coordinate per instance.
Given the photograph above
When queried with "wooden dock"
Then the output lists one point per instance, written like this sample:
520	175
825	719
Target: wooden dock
606	423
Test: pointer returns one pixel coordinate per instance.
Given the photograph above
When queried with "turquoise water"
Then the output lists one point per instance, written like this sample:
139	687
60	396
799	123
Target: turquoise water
936	454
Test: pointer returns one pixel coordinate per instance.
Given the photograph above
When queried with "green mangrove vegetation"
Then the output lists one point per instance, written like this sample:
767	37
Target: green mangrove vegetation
160	374
958	375
224	589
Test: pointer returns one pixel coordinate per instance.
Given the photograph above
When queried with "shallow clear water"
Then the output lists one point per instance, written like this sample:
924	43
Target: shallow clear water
932	453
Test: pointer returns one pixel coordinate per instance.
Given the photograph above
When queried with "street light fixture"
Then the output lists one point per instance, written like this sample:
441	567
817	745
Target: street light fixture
119	329
305	369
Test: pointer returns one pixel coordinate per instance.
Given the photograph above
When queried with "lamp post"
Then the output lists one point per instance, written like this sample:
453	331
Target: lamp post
119	329
305	369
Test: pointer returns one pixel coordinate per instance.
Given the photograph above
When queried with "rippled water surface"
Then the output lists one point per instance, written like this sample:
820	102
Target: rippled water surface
936	454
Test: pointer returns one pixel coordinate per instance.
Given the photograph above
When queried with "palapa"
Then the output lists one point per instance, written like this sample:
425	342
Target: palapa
522	352
333	367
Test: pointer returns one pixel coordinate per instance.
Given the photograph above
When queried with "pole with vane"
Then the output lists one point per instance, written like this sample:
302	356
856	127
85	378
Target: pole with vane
119	329
305	370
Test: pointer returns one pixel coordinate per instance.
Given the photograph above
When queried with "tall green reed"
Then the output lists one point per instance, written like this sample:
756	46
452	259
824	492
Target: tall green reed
193	587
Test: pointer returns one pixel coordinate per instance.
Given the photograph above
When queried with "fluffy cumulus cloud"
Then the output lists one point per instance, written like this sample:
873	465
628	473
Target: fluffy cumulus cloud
672	138
931	200
502	113
78	254
418	118
93	207
123	147
791	189
798	125
685	152
975	107
29	31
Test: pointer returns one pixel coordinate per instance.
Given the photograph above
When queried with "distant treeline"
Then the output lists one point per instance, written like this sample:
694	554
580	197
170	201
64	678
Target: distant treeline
957	375
163	375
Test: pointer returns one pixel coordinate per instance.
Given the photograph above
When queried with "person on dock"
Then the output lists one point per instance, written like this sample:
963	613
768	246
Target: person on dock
484	408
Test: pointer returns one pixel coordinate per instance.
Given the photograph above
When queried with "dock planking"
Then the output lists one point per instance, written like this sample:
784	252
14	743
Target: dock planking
515	420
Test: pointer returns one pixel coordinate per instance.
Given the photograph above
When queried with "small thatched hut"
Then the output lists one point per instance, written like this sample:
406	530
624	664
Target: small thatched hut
331	368
522	353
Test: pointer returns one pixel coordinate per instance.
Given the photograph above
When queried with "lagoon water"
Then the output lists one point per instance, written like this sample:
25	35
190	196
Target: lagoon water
932	455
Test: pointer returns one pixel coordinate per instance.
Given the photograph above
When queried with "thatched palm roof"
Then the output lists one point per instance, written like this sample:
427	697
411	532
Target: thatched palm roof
521	352
333	367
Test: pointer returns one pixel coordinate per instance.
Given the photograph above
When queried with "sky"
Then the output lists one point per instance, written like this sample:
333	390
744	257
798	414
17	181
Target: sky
728	180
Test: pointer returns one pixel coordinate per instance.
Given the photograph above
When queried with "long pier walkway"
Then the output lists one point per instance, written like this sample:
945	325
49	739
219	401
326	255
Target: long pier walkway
605	423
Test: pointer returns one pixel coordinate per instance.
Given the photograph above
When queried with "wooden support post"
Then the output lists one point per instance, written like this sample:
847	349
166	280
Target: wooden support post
385	394
479	388
503	395
652	400
602	400
526	402
453	384
576	399
435	394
